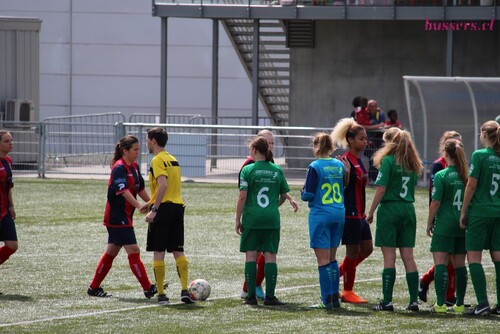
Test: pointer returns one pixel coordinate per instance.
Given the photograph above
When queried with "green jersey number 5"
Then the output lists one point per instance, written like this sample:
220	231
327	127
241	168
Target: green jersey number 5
494	184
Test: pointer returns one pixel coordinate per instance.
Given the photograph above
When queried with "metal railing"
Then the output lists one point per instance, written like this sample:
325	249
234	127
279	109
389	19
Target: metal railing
402	3
84	145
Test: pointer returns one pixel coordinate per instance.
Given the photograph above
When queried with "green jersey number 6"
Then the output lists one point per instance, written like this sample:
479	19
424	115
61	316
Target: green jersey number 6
262	198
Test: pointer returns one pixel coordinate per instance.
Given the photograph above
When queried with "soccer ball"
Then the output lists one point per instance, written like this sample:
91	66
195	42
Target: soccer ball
199	289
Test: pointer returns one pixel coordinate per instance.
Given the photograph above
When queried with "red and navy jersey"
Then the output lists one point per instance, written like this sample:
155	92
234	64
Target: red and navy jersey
437	165
355	192
119	211
5	185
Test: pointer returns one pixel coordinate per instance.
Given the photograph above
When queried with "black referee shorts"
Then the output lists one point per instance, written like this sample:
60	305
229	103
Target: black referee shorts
166	233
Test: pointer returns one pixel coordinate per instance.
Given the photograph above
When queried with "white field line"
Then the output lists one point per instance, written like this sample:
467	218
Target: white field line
97	313
90	314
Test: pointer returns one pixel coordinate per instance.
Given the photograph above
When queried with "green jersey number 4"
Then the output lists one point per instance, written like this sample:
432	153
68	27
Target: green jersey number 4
457	199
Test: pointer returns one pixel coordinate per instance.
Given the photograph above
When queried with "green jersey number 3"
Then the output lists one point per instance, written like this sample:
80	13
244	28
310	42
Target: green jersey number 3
404	186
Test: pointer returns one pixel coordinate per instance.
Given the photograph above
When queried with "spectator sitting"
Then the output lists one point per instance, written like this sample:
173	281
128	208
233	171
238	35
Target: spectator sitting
377	117
356	106
393	119
361	115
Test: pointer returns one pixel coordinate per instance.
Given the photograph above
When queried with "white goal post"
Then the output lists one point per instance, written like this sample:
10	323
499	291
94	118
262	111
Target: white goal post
438	104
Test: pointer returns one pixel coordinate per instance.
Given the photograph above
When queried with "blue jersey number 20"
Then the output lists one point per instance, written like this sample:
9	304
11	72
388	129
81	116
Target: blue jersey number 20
332	194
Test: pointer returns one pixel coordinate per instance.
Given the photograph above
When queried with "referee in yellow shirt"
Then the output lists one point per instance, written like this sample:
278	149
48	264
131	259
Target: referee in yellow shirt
166	215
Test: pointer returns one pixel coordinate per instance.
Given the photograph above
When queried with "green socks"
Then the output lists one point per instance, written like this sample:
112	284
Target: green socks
388	280
461	278
412	281
479	282
440	282
271	274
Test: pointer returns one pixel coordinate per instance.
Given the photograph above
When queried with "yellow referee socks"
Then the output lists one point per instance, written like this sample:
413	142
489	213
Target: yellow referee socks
182	269
159	270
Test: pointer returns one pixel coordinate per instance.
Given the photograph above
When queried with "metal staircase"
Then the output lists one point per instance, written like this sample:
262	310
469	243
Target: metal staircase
274	62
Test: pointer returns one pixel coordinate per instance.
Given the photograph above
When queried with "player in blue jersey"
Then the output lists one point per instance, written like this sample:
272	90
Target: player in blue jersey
7	213
324	190
481	215
448	240
357	235
399	165
124	184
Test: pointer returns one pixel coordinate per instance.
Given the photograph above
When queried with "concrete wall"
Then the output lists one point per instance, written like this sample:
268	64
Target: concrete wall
101	56
366	58
369	58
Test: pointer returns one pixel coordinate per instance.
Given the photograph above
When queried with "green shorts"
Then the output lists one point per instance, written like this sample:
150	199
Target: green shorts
396	225
260	240
482	233
445	244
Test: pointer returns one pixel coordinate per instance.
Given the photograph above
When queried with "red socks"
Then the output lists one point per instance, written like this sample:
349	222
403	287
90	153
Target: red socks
5	253
450	292
137	267
102	270
349	273
261	262
428	277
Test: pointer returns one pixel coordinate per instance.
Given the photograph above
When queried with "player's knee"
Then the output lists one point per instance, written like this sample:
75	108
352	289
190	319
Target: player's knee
12	245
366	251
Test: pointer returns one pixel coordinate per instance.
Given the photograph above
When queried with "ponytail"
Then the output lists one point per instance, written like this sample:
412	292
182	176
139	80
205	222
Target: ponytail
323	144
125	143
455	150
492	133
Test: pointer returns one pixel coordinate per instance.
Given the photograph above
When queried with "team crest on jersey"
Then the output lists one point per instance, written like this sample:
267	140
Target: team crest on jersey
120	183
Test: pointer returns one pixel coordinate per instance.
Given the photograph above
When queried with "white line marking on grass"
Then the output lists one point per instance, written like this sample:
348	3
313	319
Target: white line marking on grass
97	313
80	315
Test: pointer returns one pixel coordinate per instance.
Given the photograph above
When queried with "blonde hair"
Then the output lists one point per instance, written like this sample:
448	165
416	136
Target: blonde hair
265	132
324	144
492	133
455	151
344	129
390	133
445	136
403	150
